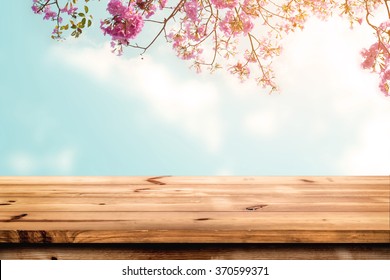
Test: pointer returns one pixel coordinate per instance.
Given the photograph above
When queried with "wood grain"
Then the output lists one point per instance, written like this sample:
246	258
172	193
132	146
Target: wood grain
194	251
173	180
166	209
203	204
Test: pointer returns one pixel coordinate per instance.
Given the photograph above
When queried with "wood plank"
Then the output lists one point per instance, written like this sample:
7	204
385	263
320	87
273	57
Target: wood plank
195	252
187	180
289	188
267	199
176	204
195	209
194	220
194	236
286	194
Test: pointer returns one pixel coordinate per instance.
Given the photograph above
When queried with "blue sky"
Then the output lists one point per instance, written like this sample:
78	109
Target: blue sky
73	108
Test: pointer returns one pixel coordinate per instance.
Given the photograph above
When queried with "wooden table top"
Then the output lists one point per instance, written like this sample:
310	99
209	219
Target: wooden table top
195	209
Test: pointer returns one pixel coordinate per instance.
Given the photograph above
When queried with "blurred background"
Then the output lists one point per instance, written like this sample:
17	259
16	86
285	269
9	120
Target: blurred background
74	108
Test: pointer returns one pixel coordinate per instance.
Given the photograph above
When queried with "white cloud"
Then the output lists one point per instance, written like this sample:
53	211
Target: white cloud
63	161
324	92
224	172
189	104
24	163
370	154
263	124
327	68
323	61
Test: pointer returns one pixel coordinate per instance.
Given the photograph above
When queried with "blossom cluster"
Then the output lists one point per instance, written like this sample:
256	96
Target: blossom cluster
124	25
242	36
377	57
56	11
231	29
127	20
40	8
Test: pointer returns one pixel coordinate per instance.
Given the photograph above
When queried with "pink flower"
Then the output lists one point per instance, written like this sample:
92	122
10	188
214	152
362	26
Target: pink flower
49	14
182	47
242	70
370	56
126	23
116	7
250	56
162	4
222	4
55	30
246	22
195	32
125	28
235	25
384	25
191	9
384	83
68	10
147	6
36	9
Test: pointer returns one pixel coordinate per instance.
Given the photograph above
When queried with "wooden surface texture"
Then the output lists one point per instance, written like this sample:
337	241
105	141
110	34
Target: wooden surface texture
195	209
195	251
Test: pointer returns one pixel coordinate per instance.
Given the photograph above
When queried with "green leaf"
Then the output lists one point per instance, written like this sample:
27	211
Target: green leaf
83	21
81	14
86	9
89	23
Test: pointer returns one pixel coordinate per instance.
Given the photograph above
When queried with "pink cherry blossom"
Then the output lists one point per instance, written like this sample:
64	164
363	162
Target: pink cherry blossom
191	10
126	23
147	6
49	14
183	50
241	70
36	9
69	9
233	24
384	84
222	4
370	56
162	3
226	29
116	7
195	32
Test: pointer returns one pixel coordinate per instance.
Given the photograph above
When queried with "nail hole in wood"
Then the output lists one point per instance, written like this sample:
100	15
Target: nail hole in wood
17	217
256	207
307	181
144	189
